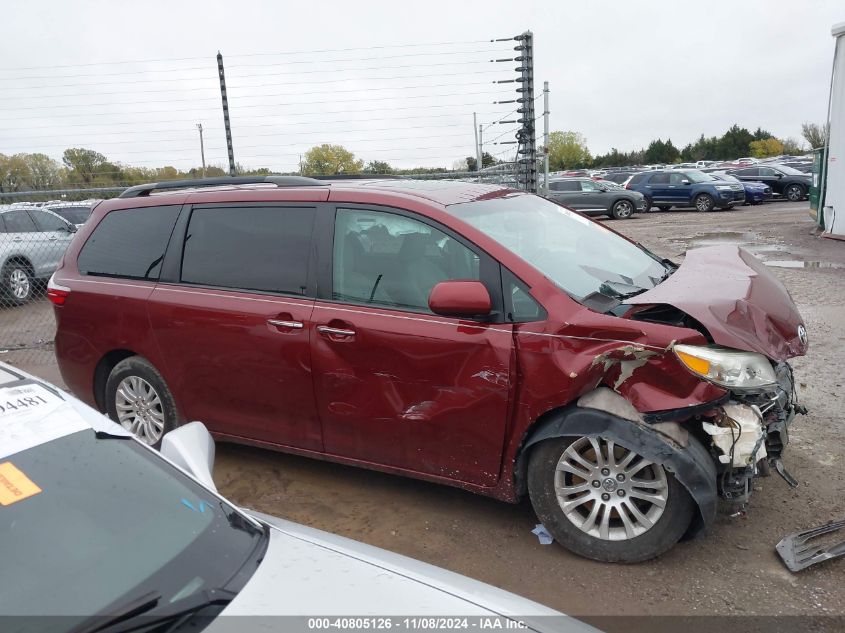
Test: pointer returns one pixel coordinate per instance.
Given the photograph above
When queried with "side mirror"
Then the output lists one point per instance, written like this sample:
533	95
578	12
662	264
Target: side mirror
191	447
460	299
778	175
71	228
685	181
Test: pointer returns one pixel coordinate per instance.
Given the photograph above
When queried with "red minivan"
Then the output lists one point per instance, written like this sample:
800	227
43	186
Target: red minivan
466	334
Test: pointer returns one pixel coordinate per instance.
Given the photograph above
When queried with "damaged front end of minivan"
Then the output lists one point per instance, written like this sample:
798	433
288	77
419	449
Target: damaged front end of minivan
752	328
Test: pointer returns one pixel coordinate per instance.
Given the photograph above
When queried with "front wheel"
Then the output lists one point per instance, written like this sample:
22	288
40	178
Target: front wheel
606	502
795	193
622	210
139	400
704	202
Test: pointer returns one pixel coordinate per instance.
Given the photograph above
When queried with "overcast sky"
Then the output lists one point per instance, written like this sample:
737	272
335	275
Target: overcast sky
395	81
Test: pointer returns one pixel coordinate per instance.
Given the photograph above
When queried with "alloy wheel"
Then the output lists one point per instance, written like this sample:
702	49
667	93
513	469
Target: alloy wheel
19	284
139	409
623	209
608	491
794	193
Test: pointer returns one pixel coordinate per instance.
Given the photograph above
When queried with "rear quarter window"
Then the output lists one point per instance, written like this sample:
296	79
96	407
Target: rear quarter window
129	243
637	178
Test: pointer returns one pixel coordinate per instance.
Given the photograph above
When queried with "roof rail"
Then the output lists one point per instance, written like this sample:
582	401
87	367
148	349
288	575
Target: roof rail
280	181
359	177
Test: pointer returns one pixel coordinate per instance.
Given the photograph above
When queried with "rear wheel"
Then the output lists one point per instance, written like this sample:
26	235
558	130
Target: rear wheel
704	202
606	502
649	203
139	400
18	282
622	210
794	193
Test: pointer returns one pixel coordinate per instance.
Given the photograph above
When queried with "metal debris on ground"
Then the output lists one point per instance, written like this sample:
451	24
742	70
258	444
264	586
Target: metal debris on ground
802	549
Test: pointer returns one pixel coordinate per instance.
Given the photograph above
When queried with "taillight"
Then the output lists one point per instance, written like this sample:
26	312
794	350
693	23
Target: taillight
57	294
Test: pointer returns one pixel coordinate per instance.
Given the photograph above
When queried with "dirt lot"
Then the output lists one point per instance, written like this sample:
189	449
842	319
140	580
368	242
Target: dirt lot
733	571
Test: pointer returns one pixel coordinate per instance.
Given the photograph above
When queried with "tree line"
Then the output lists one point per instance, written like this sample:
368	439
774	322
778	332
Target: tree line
568	150
86	168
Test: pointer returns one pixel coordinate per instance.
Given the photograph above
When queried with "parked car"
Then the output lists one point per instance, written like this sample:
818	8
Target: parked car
755	192
747	161
110	535
74	212
685	188
785	182
618	176
461	333
591	197
32	242
804	166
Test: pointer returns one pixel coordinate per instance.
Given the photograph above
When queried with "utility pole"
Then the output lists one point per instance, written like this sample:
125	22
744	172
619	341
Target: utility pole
480	146
202	149
527	142
546	137
226	123
477	147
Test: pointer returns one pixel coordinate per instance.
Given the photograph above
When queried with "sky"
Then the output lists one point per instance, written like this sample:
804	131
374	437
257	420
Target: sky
399	82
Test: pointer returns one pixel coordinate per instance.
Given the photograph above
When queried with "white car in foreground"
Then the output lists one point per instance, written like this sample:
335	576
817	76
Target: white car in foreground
101	533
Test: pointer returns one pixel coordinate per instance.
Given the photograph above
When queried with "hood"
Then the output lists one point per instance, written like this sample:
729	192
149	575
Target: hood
755	185
307	573
740	302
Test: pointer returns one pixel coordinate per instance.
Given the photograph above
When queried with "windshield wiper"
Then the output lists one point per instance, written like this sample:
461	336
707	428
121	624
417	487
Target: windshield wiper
619	289
146	616
105	620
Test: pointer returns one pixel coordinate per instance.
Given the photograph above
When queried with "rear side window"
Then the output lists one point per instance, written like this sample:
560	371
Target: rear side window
249	248
18	221
659	179
129	243
47	222
637	178
564	185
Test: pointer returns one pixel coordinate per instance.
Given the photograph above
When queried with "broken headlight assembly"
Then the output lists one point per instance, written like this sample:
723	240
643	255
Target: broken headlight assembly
729	368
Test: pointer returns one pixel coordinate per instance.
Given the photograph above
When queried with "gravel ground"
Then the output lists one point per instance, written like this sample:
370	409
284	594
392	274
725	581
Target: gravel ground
732	571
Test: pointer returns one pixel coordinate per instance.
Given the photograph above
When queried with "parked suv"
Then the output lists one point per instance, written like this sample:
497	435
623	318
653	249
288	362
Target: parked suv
462	333
595	198
32	242
685	188
785	181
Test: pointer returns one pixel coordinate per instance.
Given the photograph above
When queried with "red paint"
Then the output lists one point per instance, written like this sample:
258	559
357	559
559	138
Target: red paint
441	397
460	298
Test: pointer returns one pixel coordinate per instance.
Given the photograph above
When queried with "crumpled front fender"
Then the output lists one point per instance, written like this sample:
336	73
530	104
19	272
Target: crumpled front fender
690	463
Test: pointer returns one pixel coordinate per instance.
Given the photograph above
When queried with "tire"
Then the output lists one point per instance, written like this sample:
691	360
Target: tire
794	193
649	203
704	202
622	209
140	401
664	207
646	536
18	282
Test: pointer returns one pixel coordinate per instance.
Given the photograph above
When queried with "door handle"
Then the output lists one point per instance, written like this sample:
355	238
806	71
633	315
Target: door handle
17	239
335	331
52	238
294	325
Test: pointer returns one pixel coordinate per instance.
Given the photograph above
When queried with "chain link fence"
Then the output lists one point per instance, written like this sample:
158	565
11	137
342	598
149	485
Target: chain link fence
34	234
33	239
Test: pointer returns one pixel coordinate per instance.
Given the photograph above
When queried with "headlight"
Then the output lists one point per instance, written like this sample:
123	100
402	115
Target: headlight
723	187
727	367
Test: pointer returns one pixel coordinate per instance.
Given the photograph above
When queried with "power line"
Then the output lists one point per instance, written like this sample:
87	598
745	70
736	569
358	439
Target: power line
259	105
418	116
278	94
327	50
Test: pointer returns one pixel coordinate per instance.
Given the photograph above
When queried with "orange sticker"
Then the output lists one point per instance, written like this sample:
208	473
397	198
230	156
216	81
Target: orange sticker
14	485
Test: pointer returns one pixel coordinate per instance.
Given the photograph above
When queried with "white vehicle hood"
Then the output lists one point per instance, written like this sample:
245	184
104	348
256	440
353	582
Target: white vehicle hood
307	572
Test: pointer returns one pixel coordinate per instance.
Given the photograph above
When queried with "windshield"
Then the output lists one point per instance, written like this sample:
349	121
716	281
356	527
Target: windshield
111	521
790	171
577	254
698	176
74	215
726	177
